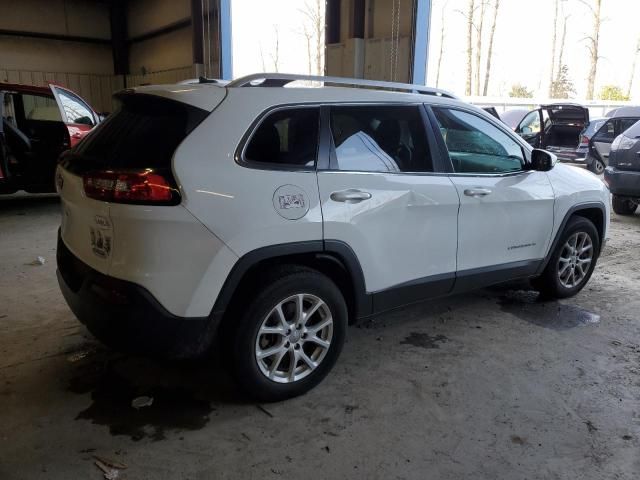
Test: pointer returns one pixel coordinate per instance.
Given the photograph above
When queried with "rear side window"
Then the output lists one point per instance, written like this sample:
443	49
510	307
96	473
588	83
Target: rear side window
40	107
380	138
143	132
606	133
286	138
477	146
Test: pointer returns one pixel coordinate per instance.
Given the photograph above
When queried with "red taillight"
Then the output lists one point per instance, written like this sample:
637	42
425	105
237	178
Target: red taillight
584	140
144	186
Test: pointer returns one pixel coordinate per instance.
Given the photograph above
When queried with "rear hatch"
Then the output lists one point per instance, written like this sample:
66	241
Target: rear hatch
125	162
625	150
562	136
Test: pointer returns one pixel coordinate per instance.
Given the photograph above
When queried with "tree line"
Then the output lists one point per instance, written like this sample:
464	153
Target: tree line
482	14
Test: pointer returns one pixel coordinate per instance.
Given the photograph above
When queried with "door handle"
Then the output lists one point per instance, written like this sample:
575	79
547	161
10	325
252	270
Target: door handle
350	196
477	192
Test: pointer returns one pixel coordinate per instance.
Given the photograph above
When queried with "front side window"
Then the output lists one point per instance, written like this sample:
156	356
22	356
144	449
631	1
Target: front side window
74	109
376	138
477	146
531	123
287	138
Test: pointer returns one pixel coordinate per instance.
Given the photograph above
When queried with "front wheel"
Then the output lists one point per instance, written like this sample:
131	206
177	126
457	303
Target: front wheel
572	262
624	205
290	336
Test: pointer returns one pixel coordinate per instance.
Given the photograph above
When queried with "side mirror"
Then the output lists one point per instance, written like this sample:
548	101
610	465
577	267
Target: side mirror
526	130
542	161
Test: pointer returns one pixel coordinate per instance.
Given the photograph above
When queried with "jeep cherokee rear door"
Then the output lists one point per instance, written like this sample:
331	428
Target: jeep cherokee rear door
506	212
380	196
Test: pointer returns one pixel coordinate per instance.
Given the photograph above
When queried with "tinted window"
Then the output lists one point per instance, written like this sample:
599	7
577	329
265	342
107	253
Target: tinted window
74	109
286	137
142	133
380	139
477	146
606	132
39	107
625	123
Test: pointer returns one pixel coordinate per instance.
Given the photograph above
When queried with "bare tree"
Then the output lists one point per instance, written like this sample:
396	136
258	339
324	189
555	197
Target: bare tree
313	31
441	45
487	72
479	28
275	56
308	37
553	46
633	68
593	44
561	50
469	17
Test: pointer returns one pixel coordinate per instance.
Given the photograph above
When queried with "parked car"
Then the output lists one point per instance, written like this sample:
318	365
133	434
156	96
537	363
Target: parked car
556	128
623	173
513	117
271	218
582	151
599	145
492	111
38	123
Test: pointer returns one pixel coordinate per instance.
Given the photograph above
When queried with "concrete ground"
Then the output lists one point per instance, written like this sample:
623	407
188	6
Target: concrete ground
489	385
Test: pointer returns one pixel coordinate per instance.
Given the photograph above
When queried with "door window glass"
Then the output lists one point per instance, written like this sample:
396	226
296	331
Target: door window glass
74	109
477	146
625	123
40	107
531	123
286	137
606	133
376	138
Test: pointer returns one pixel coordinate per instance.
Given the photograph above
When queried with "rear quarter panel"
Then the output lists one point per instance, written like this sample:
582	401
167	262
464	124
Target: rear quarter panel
234	201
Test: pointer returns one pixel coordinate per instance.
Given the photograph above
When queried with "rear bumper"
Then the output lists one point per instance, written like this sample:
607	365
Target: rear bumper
125	316
622	182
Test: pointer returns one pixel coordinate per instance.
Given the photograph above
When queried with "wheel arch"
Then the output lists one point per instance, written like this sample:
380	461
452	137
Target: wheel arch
593	211
333	258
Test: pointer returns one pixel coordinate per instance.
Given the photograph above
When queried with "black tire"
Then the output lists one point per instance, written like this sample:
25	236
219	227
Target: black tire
624	205
279	285
597	167
549	284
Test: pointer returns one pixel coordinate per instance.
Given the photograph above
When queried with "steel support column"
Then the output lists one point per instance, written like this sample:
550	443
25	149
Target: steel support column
226	51
421	29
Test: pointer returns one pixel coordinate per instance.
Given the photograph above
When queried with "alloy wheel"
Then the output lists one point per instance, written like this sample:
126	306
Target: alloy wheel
294	338
575	259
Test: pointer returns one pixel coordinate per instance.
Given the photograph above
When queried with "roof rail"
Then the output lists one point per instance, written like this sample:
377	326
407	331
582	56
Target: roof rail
282	79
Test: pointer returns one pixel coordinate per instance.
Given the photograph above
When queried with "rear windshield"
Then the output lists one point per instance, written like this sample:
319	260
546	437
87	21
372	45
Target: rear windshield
143	132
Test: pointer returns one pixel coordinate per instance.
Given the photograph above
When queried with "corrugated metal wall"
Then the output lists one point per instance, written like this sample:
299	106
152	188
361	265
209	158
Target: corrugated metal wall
173	75
95	89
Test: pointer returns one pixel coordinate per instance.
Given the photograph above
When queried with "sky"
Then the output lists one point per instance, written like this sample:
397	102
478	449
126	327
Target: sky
522	47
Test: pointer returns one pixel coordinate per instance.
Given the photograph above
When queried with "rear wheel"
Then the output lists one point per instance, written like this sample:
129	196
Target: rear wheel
597	167
624	205
290	336
572	262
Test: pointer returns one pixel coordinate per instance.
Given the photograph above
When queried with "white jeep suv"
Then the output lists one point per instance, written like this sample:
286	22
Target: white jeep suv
272	217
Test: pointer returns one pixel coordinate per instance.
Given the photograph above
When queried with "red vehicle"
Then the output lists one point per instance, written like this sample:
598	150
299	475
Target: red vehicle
38	124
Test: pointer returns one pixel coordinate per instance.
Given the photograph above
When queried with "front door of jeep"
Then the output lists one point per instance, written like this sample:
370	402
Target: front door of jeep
506	211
